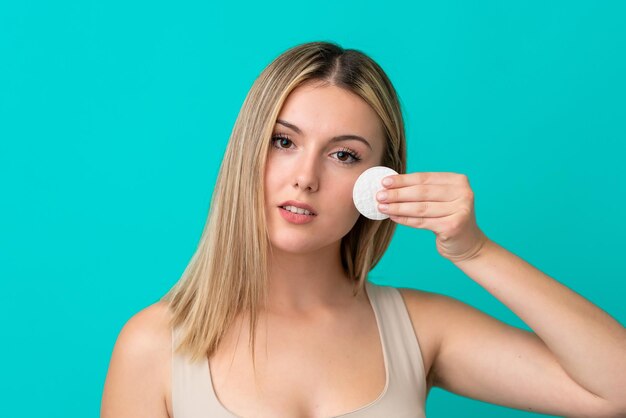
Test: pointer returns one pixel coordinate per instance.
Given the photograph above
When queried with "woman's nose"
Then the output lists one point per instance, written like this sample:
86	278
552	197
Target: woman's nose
306	174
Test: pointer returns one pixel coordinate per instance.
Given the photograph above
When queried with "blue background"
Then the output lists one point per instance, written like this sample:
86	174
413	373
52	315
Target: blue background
114	117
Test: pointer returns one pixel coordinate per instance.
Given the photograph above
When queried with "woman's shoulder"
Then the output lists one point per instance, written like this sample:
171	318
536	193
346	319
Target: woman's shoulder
152	321
434	317
147	330
437	312
423	297
437	307
425	309
440	320
139	366
416	299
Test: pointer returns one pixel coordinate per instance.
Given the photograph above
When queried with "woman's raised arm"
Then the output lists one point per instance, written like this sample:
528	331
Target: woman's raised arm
578	352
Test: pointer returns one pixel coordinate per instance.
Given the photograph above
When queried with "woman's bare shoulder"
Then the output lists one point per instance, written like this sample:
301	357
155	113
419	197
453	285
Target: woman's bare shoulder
148	332
137	380
431	315
152	321
422	303
438	314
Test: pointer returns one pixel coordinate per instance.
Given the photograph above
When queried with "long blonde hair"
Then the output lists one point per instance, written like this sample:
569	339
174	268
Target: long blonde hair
227	274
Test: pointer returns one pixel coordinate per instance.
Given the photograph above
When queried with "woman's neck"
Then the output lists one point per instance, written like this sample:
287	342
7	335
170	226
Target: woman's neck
305	282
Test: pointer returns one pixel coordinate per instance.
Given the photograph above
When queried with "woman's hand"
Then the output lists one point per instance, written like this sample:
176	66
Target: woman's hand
440	202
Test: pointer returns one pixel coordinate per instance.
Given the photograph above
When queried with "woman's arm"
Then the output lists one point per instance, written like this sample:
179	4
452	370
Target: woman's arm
575	364
472	354
588	344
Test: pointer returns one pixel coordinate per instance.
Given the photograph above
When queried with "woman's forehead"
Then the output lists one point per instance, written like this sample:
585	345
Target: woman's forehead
325	109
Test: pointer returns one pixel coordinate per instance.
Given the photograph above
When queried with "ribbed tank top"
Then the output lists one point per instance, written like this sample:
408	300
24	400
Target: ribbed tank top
404	394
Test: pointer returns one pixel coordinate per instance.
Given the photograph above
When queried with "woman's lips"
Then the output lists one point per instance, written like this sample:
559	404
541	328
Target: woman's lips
300	205
295	218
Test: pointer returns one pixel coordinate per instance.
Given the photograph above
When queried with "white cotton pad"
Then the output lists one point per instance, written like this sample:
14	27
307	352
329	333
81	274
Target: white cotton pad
365	189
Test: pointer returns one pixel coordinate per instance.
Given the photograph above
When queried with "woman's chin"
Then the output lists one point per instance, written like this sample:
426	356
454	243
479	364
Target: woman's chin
302	246
293	248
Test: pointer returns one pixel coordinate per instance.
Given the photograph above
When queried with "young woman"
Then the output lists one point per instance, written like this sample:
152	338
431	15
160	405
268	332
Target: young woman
274	316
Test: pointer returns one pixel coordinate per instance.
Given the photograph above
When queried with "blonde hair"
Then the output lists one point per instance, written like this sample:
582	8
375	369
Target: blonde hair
227	274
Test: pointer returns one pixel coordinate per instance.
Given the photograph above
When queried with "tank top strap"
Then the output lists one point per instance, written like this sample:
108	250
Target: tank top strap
406	366
192	390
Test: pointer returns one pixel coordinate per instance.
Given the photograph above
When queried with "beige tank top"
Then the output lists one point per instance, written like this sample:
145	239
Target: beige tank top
404	394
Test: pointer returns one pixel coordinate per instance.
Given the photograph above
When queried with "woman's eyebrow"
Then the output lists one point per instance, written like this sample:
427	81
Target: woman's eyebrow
333	139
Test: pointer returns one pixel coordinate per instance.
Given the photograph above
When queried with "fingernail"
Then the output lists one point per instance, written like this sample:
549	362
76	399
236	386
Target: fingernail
383	207
387	181
381	195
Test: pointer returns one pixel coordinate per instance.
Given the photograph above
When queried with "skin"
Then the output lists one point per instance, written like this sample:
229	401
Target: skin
308	168
573	364
309	293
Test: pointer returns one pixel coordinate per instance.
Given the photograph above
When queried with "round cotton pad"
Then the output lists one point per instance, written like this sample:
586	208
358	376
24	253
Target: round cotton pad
365	189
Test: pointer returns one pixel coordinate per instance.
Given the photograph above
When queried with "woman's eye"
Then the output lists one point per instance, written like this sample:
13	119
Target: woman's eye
281	142
344	156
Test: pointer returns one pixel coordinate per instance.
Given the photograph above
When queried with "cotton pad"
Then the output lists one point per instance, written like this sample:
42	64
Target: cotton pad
365	189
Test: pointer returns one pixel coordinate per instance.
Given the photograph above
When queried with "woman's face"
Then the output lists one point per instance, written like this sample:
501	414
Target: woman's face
305	164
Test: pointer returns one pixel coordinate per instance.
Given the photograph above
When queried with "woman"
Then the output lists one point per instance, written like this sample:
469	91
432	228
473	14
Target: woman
330	342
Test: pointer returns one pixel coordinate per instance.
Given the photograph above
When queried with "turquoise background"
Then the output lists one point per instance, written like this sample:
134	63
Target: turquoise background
114	117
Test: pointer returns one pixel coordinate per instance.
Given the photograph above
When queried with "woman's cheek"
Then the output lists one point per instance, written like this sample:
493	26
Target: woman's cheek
349	210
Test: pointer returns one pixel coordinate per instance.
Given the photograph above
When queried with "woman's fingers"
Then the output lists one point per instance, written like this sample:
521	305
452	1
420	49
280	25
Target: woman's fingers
403	180
421	193
418	209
